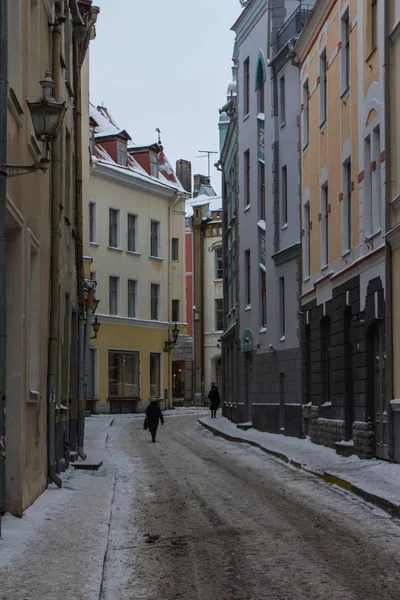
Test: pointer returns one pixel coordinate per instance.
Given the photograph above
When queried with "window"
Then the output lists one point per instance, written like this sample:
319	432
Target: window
282	99
375	168
261	170
263	298
260	88
282	307
322	88
121	153
284	196
219	314
247	178
132	299
219	263
175	248
92	223
305	114
307	241
113	228
347	209
248	277
123	374
113	295
155	238
154	165
155	372
374	24
154	301
175	311
345	57
324	226
246	86
132	233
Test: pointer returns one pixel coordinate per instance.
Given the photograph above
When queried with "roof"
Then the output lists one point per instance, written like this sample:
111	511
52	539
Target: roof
215	203
106	126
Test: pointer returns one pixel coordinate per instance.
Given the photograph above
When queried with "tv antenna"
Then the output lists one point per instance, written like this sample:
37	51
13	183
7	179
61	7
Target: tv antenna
207	154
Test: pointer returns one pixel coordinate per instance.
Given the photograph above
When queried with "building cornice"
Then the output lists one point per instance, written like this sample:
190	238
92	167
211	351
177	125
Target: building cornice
125	321
248	19
287	254
129	180
393	237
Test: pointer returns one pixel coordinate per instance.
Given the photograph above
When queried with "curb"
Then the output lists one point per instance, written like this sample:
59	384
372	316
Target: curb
386	505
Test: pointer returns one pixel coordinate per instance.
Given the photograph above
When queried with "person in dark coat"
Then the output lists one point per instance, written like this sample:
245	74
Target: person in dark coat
215	401
154	415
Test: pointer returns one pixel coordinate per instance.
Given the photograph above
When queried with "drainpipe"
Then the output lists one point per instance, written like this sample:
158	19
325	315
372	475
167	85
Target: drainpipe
388	249
3	234
56	191
88	329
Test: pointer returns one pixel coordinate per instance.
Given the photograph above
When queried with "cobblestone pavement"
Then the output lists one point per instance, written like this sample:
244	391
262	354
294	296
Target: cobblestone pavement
194	517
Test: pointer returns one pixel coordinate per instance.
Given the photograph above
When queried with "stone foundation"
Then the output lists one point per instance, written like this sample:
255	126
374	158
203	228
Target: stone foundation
364	439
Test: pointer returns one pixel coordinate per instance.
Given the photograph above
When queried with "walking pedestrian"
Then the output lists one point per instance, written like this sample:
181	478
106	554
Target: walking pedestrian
215	401
154	415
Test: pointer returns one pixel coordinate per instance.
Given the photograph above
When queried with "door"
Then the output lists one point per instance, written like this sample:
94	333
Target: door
381	428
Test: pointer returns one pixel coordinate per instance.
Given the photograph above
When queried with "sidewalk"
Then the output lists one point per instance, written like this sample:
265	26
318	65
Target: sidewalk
376	481
60	542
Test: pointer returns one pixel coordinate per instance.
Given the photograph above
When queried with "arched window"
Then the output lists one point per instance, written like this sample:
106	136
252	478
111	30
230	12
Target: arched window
260	80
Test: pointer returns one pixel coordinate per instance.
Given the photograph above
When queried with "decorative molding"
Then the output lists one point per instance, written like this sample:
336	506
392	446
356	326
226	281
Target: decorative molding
393	237
395	35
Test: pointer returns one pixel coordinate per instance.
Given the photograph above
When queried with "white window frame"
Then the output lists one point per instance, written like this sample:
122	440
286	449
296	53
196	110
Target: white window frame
136	236
158	301
345	53
136	315
216	259
134	353
158	255
117	277
347	220
122	153
216	312
175	242
158	384
93	230
117	210
154	166
306	114
323	87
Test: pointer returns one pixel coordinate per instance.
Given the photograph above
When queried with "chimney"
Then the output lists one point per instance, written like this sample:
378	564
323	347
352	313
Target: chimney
198	181
184	174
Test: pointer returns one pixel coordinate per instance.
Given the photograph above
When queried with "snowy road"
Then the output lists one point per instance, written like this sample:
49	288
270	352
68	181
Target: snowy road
230	523
194	517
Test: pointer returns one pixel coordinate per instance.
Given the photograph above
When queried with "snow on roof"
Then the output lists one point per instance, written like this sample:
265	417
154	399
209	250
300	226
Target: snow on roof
215	203
106	126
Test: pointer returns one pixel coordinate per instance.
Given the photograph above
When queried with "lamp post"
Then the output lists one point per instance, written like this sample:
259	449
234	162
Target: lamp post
47	116
169	344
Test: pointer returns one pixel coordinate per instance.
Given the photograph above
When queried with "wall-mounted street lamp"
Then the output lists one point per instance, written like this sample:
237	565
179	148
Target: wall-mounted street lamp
96	328
47	116
171	343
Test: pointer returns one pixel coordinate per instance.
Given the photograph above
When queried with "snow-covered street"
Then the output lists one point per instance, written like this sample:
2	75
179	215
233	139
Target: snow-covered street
195	517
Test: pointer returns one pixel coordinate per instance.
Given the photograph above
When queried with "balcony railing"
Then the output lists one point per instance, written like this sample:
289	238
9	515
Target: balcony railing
293	25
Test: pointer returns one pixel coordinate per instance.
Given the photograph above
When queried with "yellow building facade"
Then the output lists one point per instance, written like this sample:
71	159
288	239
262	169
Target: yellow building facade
341	57
134	223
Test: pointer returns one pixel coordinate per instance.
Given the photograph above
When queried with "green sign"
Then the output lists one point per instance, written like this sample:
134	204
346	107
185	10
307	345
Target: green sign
247	341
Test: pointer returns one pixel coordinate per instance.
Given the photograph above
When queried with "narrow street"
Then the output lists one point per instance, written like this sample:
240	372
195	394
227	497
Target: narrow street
231	523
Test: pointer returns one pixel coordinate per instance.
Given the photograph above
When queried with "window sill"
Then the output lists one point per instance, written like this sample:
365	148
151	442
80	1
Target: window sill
246	117
323	125
95	244
263	330
346	253
133	253
285	226
283	124
175	261
261	116
324	268
306	147
247	208
371	54
306	279
114	249
218	279
34	396
345	93
248	307
283	338
156	258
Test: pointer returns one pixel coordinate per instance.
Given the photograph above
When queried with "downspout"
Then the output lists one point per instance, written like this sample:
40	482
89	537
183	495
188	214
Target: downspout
55	271
388	249
178	197
3	242
202	380
88	329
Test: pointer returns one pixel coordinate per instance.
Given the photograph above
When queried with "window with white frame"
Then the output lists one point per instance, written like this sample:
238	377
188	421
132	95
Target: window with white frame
284	196
132	298
123	374
247	178
92	223
306	114
219	263
155	375
324	226
154	168
219	314
347	207
323	98
374	24
155	302
175	249
345	52
121	153
282	307
114	236
113	295
282	100
307	241
155	246
246	86
132	232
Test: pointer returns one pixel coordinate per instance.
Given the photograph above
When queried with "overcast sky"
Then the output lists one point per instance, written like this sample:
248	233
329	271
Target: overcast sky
166	64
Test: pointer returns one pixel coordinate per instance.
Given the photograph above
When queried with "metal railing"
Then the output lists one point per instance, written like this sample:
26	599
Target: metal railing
293	25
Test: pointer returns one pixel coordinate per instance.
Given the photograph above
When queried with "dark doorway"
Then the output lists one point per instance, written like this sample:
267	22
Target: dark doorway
348	388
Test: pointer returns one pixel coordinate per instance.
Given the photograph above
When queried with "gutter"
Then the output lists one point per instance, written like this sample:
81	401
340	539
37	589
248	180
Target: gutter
3	242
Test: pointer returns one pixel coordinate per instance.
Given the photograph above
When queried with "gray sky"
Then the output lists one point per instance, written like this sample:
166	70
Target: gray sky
166	64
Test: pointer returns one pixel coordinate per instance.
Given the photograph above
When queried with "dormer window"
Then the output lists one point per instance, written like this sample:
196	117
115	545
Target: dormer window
121	153
154	165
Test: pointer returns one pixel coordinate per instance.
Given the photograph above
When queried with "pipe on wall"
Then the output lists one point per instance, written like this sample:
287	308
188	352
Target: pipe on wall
3	241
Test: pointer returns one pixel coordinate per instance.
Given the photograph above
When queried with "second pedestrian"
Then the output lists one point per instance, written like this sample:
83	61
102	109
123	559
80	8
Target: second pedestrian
154	415
215	401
